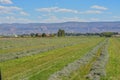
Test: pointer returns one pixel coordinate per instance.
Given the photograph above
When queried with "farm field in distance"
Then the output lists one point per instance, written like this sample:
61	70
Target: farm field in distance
64	58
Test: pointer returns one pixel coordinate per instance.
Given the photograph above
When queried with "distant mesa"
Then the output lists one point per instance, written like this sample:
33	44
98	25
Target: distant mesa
77	27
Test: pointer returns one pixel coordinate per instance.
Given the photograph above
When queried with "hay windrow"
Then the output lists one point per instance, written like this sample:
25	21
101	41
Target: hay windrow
98	68
67	70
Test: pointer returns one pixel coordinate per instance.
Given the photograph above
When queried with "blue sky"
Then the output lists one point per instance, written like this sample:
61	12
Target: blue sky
52	11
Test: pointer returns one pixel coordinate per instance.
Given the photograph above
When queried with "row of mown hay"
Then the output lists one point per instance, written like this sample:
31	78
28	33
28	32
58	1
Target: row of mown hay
16	55
98	68
67	70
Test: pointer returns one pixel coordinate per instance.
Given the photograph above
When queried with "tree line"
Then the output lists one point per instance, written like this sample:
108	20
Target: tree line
103	34
60	33
63	33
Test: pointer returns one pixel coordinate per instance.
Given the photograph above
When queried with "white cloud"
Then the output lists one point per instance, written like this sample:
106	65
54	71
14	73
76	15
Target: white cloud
47	9
94	19
116	17
12	19
54	19
12	10
74	19
6	2
8	9
50	19
99	7
57	9
92	12
64	10
24	13
67	10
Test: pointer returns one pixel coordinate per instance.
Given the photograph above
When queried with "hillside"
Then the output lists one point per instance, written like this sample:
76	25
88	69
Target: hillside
81	27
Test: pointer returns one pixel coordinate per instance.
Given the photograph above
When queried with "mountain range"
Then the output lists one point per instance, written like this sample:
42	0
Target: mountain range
71	27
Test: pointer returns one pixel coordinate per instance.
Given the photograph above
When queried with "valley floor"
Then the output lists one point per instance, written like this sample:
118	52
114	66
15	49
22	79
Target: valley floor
66	58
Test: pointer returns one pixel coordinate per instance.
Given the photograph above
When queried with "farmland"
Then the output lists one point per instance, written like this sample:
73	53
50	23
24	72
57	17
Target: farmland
65	58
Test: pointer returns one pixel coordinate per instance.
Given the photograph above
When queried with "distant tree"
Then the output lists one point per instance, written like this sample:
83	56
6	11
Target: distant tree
61	33
44	35
36	35
32	35
52	35
107	34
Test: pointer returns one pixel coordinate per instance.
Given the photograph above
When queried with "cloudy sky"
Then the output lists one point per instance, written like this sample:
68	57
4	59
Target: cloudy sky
52	11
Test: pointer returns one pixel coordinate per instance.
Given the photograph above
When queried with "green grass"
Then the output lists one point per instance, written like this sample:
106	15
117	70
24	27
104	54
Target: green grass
41	66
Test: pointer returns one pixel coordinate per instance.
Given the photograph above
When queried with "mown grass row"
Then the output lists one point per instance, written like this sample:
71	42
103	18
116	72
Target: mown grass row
36	46
95	69
24	44
41	66
113	66
82	72
98	69
10	56
71	71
